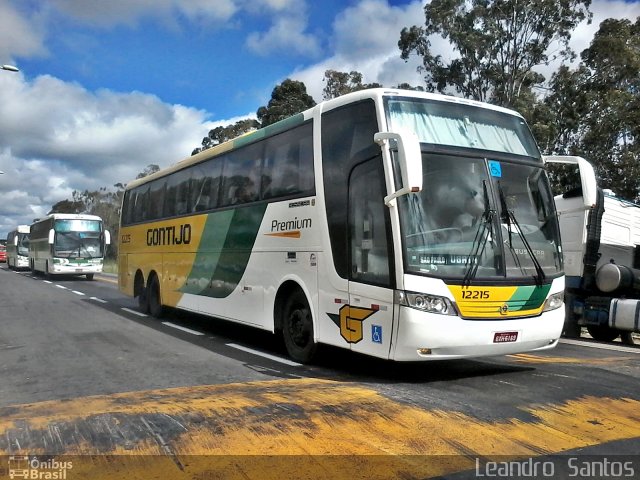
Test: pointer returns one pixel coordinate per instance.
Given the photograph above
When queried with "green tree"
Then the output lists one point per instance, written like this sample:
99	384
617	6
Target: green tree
339	83
287	99
612	122
67	206
222	134
498	42
148	170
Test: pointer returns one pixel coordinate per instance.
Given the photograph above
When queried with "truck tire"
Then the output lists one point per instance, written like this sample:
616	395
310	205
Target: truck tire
602	333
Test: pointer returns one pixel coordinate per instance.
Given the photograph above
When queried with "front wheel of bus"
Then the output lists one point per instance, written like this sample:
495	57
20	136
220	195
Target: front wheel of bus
297	328
155	302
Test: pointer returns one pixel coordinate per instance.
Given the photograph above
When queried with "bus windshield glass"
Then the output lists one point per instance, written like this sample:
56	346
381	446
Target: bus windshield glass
461	125
23	244
78	238
480	218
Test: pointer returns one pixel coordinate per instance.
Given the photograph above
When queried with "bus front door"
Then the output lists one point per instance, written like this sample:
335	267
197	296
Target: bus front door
367	322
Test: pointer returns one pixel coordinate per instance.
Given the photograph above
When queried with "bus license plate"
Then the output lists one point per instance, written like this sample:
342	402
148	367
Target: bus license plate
505	337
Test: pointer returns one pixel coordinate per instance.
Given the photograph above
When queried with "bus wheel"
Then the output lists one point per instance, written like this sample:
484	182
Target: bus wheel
297	328
89	276
602	333
143	300
153	293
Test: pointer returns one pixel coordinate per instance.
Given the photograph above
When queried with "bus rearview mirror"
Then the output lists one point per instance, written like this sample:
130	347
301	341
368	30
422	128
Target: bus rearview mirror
587	175
409	159
52	236
107	237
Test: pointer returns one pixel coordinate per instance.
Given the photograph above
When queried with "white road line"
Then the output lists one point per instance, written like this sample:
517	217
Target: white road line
140	314
98	299
45	281
265	355
602	346
62	286
77	292
184	329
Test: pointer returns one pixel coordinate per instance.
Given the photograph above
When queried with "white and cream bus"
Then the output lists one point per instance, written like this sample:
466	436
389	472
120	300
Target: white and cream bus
399	224
18	247
68	244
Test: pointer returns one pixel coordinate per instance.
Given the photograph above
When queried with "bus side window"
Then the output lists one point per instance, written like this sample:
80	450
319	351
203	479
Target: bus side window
242	175
141	207
289	164
176	201
156	193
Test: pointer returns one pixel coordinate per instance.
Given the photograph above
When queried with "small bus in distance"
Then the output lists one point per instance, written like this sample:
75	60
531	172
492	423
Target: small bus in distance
68	244
18	247
398	224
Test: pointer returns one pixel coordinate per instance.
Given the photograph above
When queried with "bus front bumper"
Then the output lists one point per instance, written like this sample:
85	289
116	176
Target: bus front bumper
71	268
424	336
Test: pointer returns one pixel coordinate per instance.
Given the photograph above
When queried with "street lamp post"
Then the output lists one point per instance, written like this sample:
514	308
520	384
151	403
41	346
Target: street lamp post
10	68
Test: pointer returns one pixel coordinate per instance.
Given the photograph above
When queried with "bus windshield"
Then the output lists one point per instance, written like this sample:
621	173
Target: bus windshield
23	244
78	238
461	125
480	218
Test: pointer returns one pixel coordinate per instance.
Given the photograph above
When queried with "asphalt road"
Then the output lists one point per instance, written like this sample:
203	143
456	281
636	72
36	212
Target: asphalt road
89	383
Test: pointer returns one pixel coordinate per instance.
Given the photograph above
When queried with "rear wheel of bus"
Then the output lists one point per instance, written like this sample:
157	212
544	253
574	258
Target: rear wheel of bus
155	298
297	328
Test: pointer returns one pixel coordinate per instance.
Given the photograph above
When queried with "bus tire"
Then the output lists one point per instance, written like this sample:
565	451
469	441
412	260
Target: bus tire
602	333
297	328
89	276
155	300
143	300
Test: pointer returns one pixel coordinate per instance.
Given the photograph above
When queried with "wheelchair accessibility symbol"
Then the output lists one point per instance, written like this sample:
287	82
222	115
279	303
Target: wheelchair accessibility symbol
376	333
495	168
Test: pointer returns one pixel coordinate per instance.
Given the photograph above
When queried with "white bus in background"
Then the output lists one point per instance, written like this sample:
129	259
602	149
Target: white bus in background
68	244
18	247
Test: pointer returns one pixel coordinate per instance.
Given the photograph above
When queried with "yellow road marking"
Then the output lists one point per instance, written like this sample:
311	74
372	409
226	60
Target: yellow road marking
529	358
329	429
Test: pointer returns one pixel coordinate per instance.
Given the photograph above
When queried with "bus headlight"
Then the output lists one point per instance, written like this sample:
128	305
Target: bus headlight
554	301
425	303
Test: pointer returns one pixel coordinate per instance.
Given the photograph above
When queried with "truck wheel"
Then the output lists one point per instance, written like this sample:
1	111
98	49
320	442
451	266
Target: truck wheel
627	338
602	333
297	328
572	330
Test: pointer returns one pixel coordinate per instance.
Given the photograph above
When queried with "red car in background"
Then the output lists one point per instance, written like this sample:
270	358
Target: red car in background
3	253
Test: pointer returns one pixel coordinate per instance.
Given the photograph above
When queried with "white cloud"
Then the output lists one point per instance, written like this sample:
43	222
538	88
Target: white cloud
128	12
57	137
19	35
286	34
365	38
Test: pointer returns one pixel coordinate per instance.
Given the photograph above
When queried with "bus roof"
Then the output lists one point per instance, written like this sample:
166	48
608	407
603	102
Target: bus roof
285	124
67	216
22	229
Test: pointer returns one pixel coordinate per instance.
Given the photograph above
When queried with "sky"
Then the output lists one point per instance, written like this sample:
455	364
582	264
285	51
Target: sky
106	88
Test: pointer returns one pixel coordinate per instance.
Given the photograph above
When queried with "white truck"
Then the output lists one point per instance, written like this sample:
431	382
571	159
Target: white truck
601	249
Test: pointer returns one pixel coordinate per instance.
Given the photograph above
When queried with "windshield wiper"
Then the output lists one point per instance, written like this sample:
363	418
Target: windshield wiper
480	240
510	217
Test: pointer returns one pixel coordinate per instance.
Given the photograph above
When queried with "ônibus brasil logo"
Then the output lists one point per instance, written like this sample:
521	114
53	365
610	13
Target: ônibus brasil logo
31	467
